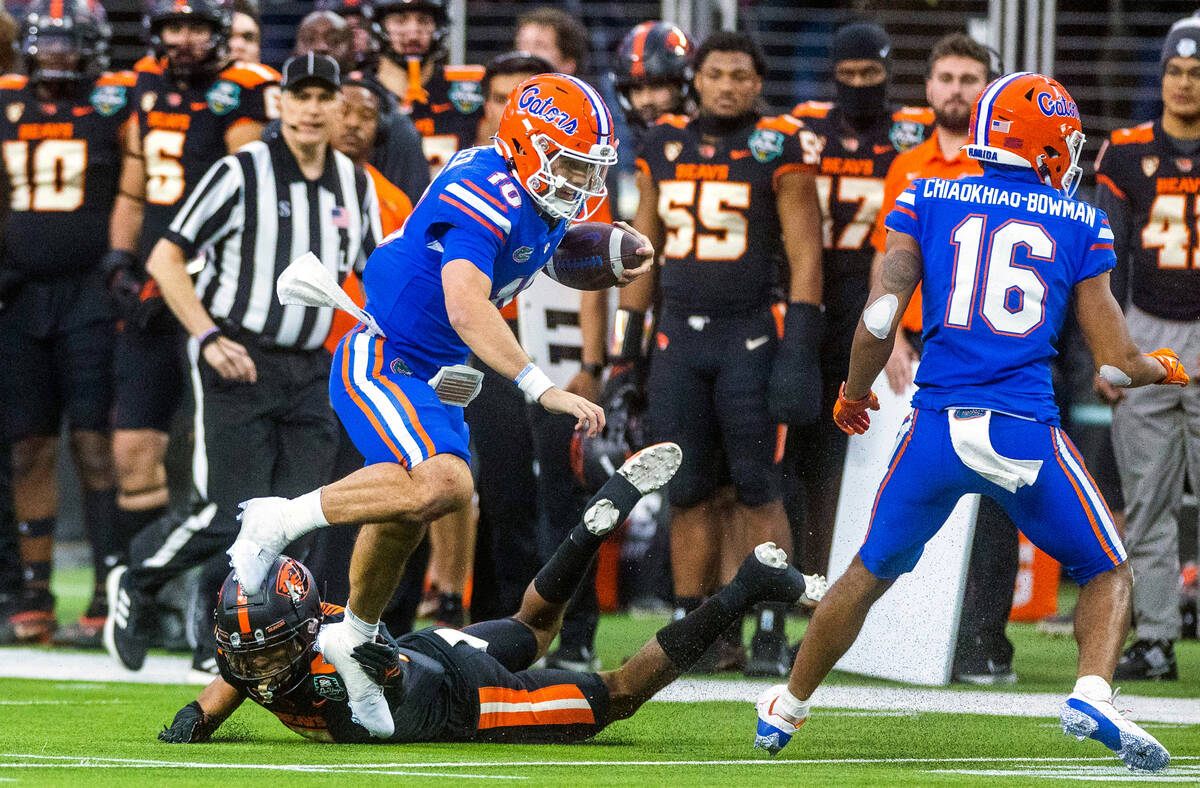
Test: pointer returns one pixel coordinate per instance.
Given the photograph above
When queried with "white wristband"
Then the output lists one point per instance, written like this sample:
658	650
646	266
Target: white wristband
533	382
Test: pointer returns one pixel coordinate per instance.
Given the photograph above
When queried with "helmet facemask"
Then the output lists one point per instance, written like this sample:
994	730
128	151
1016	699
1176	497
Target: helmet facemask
269	665
569	184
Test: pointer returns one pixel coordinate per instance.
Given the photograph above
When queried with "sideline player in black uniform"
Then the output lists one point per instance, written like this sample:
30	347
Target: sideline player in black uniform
1148	179
444	101
470	684
858	135
726	195
61	130
193	105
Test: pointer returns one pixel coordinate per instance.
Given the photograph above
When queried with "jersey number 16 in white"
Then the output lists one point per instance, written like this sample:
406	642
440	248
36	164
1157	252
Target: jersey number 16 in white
1013	295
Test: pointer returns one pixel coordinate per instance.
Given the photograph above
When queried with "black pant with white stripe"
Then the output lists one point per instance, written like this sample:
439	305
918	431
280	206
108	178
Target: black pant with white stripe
277	436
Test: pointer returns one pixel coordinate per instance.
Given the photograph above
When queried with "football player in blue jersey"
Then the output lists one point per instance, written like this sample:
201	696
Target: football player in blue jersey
483	230
1000	257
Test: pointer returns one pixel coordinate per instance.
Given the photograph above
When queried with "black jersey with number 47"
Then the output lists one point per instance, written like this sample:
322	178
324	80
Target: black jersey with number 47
850	180
1159	188
63	161
716	200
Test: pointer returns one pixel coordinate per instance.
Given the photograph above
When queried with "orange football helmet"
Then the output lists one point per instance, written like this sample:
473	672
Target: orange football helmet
557	136
1029	120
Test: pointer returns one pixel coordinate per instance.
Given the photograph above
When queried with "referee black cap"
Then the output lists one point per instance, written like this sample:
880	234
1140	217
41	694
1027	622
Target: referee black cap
302	70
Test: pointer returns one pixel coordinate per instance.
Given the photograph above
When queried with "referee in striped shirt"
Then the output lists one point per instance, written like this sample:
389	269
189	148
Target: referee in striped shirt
264	424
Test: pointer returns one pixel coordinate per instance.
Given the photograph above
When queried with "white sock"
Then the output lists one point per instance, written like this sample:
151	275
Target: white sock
1093	687
360	627
792	706
304	514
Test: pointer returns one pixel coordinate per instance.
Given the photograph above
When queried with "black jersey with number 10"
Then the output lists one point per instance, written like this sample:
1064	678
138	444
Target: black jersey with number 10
63	160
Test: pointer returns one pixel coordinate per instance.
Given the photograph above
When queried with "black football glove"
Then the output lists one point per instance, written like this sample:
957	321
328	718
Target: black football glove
10	283
190	726
794	392
383	664
152	314
124	283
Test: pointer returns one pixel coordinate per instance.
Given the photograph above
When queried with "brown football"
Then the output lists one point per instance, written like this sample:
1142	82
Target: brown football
592	256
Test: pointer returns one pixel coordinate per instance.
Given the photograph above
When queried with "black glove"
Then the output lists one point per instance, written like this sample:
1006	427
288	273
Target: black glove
383	664
191	725
10	283
794	392
152	314
124	283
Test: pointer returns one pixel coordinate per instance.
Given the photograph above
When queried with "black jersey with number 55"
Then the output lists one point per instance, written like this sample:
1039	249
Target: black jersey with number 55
62	159
716	200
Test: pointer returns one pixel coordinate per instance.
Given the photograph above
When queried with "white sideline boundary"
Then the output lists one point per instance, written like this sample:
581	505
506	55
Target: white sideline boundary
31	663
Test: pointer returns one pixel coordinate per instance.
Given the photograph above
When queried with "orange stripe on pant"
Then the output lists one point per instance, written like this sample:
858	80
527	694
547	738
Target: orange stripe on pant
579	715
1087	507
370	414
896	461
403	400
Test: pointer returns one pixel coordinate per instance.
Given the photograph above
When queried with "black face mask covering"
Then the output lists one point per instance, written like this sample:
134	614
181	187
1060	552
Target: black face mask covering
862	105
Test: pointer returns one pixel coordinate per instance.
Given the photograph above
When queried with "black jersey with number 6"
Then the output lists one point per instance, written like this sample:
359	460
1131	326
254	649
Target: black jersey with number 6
1158	187
716	200
183	130
63	159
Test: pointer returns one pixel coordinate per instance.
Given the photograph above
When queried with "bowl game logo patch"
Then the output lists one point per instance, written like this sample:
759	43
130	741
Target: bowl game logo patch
224	97
766	144
108	99
466	96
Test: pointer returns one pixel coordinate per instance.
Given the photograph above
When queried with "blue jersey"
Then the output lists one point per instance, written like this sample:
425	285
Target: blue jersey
473	210
1002	253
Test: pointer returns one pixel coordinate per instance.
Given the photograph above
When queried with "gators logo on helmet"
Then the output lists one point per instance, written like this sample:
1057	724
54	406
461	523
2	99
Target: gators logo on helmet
1029	120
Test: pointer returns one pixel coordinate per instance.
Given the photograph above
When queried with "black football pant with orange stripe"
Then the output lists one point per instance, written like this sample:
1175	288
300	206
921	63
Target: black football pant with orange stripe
515	704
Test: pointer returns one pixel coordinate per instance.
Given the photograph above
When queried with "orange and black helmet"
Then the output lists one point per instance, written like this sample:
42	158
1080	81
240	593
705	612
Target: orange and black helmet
75	28
653	53
266	637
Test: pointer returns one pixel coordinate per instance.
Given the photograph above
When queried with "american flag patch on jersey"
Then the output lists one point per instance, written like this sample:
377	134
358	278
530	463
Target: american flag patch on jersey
341	217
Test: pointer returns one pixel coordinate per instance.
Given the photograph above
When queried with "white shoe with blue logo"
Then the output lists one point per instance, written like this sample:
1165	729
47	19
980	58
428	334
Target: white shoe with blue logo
1085	716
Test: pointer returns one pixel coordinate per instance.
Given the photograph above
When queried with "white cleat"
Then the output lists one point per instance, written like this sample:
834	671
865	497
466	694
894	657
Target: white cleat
259	542
815	588
652	467
1089	718
368	706
647	470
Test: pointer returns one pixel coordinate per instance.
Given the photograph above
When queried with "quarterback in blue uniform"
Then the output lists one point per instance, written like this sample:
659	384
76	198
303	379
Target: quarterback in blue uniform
484	228
1000	257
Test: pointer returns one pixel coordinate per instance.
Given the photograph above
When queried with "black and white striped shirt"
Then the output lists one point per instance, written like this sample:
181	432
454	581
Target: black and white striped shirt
253	213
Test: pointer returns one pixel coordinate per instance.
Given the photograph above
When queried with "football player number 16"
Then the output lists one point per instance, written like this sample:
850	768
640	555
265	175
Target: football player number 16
54	182
1013	300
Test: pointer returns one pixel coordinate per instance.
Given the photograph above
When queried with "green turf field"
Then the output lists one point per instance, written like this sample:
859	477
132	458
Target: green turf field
71	733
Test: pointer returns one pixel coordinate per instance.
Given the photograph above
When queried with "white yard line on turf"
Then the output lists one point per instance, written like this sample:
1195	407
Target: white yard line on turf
1016	704
29	663
142	763
1106	774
